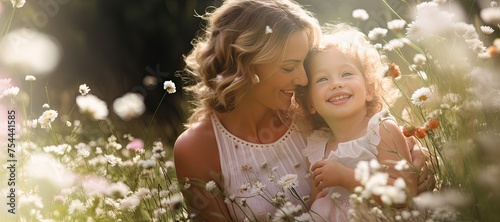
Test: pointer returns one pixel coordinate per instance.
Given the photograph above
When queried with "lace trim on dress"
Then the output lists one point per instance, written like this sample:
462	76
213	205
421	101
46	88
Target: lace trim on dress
242	142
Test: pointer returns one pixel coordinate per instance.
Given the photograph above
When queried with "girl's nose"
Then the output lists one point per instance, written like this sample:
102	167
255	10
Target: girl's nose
336	85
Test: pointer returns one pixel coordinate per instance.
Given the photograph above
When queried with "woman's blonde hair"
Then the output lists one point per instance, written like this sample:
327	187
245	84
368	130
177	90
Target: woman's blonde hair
372	64
238	35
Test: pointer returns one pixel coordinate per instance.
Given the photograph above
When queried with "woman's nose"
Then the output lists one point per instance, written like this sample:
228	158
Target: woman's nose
301	78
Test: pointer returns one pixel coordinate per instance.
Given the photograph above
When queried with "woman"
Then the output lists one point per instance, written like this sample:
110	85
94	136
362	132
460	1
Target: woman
247	66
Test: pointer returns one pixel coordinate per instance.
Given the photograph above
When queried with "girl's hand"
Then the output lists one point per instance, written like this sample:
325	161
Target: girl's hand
327	173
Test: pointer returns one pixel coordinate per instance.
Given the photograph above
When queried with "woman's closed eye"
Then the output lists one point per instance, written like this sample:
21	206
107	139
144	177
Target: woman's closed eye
289	69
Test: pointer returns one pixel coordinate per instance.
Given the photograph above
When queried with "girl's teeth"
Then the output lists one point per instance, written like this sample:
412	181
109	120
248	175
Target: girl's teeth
338	98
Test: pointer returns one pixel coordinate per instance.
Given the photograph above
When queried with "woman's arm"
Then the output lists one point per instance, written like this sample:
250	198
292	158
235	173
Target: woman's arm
196	157
420	160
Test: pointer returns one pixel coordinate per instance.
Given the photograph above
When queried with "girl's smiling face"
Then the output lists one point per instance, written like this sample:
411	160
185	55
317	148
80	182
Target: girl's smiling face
337	86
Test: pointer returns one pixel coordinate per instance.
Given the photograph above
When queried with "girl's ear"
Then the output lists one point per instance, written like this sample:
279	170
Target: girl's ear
369	92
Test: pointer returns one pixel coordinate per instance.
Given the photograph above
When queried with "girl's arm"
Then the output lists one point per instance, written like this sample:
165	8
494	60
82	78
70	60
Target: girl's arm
393	148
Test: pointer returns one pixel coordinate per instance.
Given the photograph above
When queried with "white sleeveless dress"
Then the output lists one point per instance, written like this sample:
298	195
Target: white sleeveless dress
244	163
347	153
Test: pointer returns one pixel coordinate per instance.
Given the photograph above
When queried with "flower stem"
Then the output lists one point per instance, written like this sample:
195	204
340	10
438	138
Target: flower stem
153	117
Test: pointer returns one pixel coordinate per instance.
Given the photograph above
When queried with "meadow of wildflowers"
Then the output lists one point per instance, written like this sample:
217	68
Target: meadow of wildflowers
444	61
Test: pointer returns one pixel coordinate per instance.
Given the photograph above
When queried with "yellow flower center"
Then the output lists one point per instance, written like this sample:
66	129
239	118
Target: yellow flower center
422	98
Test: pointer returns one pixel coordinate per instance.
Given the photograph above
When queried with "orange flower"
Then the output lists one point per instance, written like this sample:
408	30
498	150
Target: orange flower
408	131
493	51
394	70
432	124
420	133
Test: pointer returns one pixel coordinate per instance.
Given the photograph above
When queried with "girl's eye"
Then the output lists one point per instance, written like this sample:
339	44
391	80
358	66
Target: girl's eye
322	79
346	74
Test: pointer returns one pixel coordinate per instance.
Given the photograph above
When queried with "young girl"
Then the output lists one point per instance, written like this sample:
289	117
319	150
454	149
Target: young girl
345	94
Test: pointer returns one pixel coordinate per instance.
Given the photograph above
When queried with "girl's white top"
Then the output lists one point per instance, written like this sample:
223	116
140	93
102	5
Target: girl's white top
248	167
347	153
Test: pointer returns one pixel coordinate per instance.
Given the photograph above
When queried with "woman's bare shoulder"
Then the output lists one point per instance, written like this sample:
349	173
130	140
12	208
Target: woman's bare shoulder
196	149
198	137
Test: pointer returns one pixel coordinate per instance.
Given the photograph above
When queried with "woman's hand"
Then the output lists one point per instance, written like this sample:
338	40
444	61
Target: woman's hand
420	159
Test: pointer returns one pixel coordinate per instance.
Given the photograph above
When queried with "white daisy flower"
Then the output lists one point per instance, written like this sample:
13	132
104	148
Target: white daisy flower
490	15
32	200
286	212
17	3
84	89
304	217
362	172
360	14
429	21
377	33
421	96
396	25
60	149
393	195
113	160
130	202
487	30
30	78
175	201
47	118
129	106
92	106
147	164
451	98
76	206
401	165
419	59
11	91
375	182
169	86
210	186
406	215
29	51
445	213
394	44
118	189
32	123
288	181
257	188
143	193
